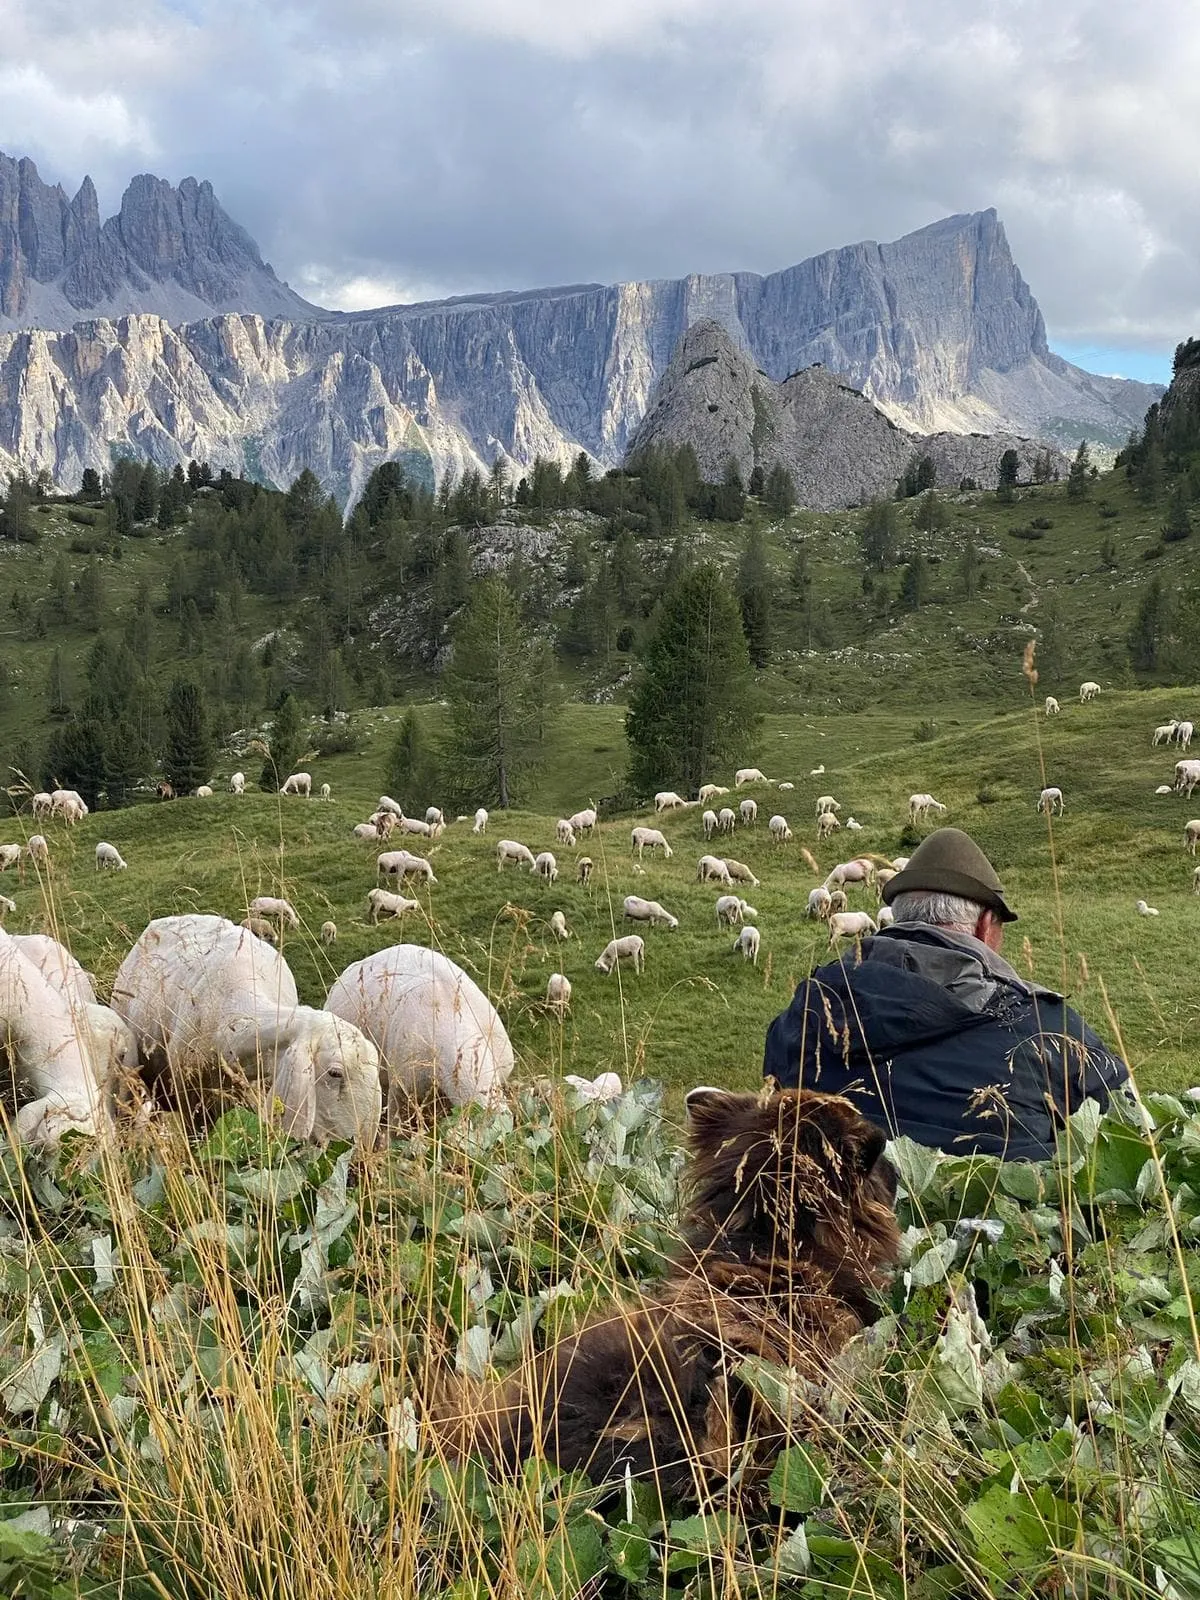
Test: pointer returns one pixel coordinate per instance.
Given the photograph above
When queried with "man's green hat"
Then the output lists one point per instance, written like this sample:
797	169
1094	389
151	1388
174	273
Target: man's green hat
950	862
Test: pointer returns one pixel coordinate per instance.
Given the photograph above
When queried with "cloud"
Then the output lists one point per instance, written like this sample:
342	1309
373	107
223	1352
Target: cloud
418	146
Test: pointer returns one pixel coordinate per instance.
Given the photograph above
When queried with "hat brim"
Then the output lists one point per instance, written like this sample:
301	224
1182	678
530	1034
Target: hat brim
944	880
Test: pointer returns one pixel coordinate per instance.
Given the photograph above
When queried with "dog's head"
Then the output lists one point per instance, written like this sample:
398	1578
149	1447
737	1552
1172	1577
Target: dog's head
790	1173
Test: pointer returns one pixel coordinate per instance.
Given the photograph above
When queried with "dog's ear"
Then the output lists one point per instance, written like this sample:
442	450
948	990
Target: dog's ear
713	1113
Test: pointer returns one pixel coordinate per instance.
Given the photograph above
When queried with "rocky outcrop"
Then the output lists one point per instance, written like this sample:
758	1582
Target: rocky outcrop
170	251
840	447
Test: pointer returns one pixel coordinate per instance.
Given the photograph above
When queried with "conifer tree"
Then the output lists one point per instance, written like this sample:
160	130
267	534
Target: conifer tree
754	597
1079	478
188	751
57	695
285	745
410	772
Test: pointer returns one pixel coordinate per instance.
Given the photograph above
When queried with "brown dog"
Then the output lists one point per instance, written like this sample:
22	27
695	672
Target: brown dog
788	1236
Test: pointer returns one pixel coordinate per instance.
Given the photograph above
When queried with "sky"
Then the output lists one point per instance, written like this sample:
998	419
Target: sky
388	150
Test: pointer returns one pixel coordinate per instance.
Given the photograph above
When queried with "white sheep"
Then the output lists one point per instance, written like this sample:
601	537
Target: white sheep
583	869
1164	733
739	872
325	791
513	850
400	864
746	775
883	876
711	869
261	928
199	992
748	812
710	791
204	792
109	857
386	803
729	911
43	804
779	830
837	900
590	1091
1143	910
384	823
545	866
639	910
298	783
558	926
583	821
366	830
886	917
817	772
826	802
1088	691
726	820
433	1025
1196	880
1164	788
819	900
481	820
920	805
852	826
435	817
787	786
385	903
1051	800
6	905
37	849
850	925
748	942
329	933
419	828
558	992
668	800
649	839
237	783
274	908
564	833
1187	776
856	871
1191	835
709	823
827	823
10	856
899	863
749	912
631	950
1183	735
1052	706
68	804
58	966
47	1052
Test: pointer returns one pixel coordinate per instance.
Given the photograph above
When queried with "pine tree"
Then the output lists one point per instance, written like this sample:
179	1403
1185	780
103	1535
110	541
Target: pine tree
496	689
57	694
878	535
692	709
968	569
780	491
754	597
145	500
188	751
1148	630
285	746
89	485
91	596
410	772
125	760
1179	518
1079	478
914	583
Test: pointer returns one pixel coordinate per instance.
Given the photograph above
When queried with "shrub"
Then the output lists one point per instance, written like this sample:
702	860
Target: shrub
1108	512
925	731
339	739
85	519
1041	522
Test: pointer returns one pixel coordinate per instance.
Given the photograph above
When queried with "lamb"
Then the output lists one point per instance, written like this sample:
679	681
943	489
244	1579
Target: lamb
883	876
109	857
325	792
709	822
583	869
384	823
630	950
852	826
434	1027
920	805
1088	691
749	912
748	943
748	811
650	839
545	866
558	926
817	772
237	783
726	820
399	864
204	792
746	775
481	821
564	833
10	856
298	783
827	823
787	786
383	903
274	908
1052	706
261	929
1187	776
558	992
739	872
512	850
639	910
1191	835
850	925
779	830
819	903
729	911
1164	733
710	791
583	821
43	805
37	849
47	1047
329	933
668	800
1143	910
68	804
711	869
1051	800
199	992
826	802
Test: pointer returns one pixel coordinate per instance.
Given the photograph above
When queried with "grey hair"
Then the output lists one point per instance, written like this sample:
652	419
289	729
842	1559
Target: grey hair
938	910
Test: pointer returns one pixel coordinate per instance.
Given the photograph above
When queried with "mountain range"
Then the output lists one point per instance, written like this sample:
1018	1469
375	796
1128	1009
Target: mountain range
163	332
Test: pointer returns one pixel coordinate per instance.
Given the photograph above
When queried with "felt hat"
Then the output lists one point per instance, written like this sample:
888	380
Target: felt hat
949	861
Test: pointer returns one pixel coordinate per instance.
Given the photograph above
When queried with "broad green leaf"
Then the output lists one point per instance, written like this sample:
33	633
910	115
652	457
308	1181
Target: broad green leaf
915	1164
798	1479
563	1563
1017	1535
629	1552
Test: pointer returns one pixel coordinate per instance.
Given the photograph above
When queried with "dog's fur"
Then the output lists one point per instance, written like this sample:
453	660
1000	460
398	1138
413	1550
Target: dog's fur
788	1236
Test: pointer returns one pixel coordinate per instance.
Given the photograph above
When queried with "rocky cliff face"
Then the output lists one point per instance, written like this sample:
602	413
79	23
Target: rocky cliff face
170	251
938	330
840	447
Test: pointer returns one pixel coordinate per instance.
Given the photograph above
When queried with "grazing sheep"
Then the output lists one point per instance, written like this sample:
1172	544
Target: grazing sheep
261	929
435	817
386	803
109	857
545	866
1164	733
164	791
711	869
779	830
920	805
1196	880
325	792
817	772
787	786
366	830
899	863
739	872
883	876
204	792
856	871
650	839
68	803
1052	706
886	917
48	1052
1187	776
826	802
668	800
850	925
384	903
384	823
43	805
564	833
709	823
1088	691
583	870
748	942
1051	800
748	911
434	1027
275	908
37	849
726	820
415	826
852	826
10	856
558	992
827	823
1191	835
746	775
639	910
1183	735
558	926
481	821
200	992
298	783
329	933
631	950
6	905
513	850
1143	910
399	864
729	911
838	900
583	821
748	812
237	783
710	791
819	903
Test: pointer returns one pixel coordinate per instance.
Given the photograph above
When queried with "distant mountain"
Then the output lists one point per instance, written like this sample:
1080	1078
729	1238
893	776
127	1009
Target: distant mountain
939	330
172	252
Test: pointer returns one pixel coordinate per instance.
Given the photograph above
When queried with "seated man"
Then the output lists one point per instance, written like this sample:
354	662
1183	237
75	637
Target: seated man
932	1034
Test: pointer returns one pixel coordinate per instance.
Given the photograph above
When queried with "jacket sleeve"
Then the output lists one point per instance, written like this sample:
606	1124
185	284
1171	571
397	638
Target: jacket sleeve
1091	1072
793	1047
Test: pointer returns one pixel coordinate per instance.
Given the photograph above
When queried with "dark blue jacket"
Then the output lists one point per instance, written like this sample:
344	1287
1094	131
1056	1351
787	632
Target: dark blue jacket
932	1036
